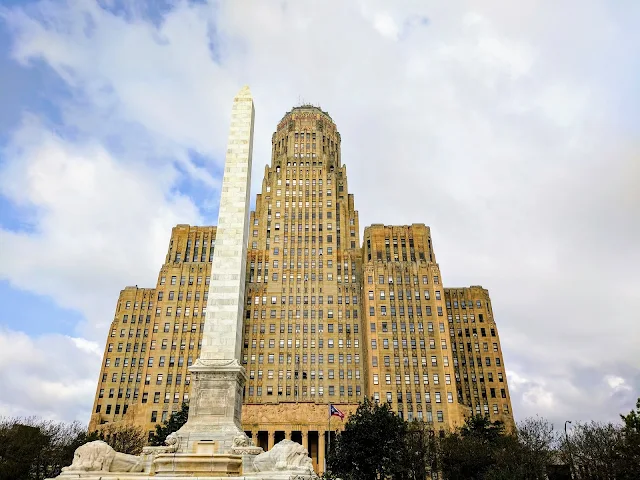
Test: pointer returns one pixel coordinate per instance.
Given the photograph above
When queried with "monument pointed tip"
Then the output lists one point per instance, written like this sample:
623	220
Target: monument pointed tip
244	91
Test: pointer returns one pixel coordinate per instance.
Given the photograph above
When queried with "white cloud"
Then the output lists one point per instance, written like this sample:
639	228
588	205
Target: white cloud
88	346
539	398
495	125
616	382
100	224
47	376
386	25
134	86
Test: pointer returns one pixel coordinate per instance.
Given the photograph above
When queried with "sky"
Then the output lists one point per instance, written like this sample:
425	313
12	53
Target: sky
510	128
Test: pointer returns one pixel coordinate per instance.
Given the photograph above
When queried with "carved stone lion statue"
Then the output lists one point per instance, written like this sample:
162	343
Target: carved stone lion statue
172	439
98	456
170	446
243	445
285	456
241	441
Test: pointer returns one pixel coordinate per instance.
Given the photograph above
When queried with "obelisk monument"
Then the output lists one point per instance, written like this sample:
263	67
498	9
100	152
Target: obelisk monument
218	375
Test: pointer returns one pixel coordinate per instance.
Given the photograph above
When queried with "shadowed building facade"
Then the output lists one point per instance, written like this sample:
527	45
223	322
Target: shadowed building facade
326	319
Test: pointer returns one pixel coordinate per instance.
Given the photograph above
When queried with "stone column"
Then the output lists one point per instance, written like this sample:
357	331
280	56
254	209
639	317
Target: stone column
222	336
305	439
287	434
321	448
254	437
272	439
219	377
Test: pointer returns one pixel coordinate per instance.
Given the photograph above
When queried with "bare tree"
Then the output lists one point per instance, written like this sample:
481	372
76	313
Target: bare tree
35	449
539	442
122	437
593	450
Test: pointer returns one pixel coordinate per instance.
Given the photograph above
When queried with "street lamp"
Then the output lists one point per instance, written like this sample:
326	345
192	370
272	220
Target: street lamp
566	435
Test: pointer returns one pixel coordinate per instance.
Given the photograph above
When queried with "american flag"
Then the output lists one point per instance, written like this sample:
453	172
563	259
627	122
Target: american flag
333	411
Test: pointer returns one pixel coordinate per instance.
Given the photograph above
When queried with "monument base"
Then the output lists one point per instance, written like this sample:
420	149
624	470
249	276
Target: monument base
140	476
197	465
96	460
215	407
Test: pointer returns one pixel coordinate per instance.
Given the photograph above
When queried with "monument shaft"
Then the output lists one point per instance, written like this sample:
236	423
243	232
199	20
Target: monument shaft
222	336
218	376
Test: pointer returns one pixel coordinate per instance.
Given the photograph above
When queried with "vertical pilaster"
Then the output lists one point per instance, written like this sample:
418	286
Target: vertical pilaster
321	451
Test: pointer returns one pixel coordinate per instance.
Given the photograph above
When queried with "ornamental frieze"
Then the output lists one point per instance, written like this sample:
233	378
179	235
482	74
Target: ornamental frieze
291	412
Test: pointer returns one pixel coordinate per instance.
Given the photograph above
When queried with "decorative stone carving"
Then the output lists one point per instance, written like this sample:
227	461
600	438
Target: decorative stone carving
213	362
241	441
171	440
286	456
171	445
243	445
303	413
98	456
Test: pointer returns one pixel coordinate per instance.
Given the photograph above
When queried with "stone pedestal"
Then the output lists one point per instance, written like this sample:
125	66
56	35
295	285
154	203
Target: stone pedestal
215	407
197	465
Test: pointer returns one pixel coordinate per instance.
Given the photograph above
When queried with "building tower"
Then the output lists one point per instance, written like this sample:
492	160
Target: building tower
302	335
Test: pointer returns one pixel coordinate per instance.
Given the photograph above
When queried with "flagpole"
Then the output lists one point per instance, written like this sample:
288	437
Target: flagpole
329	440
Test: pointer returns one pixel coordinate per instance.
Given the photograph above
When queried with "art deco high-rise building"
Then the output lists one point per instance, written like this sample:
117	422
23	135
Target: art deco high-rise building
410	351
327	319
429	347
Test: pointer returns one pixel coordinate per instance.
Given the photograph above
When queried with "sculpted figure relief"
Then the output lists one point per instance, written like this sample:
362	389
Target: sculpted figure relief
294	413
170	446
285	456
98	456
291	413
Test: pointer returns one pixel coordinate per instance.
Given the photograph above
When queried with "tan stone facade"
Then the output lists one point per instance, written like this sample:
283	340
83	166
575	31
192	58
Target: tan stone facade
327	319
156	335
481	379
409	352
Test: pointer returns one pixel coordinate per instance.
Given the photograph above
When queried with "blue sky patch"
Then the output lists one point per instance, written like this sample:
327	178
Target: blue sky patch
34	314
